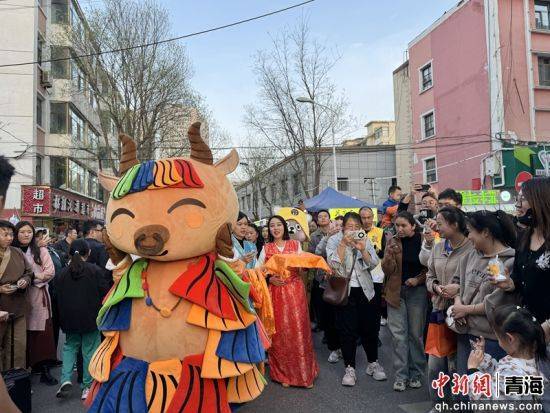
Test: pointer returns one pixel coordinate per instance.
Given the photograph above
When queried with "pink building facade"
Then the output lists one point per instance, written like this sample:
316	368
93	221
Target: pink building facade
479	79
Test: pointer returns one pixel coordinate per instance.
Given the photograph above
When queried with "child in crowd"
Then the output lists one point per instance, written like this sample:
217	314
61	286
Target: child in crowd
80	289
522	337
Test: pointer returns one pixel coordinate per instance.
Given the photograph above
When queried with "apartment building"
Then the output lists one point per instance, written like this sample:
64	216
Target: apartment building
480	94
50	125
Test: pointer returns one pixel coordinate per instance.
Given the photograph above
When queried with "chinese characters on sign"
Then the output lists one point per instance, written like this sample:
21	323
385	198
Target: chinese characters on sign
486	197
46	201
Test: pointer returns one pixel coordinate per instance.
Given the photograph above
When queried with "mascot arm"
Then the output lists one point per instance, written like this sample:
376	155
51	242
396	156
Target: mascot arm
115	254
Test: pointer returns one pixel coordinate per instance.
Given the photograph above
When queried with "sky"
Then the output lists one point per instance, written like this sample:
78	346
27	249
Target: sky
371	36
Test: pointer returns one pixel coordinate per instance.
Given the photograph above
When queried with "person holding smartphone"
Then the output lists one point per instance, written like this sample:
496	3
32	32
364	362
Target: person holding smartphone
15	277
242	249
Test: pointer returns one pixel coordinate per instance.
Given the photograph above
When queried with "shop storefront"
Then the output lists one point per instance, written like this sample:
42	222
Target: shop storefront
490	200
56	209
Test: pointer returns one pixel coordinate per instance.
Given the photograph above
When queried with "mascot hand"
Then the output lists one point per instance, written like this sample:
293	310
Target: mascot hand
115	254
224	245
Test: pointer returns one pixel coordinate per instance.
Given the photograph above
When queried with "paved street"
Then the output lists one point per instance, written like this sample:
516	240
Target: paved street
327	395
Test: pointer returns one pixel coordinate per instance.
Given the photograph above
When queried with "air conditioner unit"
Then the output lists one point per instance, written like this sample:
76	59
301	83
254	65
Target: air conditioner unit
46	79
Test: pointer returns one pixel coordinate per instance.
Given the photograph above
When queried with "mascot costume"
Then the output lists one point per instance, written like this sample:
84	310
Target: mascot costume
297	221
181	332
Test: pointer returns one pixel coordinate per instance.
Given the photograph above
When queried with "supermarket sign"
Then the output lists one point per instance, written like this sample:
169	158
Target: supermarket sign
44	201
484	197
336	212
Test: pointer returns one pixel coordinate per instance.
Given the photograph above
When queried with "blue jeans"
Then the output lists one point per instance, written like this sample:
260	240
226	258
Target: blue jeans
406	325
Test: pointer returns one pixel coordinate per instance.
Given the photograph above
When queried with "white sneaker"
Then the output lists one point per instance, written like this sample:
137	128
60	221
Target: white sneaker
415	384
64	389
85	392
383	321
399	385
349	378
376	371
335	356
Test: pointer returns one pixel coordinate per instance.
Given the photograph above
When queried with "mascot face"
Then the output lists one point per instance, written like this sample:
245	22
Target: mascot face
170	209
297	221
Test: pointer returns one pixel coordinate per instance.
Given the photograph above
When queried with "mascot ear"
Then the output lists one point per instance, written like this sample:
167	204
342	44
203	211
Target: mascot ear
108	182
309	218
229	163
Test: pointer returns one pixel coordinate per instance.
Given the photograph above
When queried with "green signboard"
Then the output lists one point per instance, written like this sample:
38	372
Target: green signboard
532	159
486	197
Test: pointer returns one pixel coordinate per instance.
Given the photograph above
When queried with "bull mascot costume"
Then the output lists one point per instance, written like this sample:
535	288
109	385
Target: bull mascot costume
181	332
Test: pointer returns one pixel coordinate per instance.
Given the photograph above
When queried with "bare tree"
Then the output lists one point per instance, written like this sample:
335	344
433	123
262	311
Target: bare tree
144	92
297	65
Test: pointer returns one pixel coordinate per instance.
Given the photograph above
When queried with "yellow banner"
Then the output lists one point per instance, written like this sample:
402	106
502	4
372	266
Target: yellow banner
335	212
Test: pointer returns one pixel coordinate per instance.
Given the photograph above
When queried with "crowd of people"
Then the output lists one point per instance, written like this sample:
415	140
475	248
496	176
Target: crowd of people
473	283
427	272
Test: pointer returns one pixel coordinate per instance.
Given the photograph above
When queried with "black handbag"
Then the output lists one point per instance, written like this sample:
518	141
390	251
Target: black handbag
336	291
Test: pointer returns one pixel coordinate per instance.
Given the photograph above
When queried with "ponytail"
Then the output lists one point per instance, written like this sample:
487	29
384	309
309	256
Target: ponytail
79	249
520	322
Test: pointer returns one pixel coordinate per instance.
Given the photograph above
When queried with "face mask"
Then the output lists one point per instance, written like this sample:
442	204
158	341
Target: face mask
527	219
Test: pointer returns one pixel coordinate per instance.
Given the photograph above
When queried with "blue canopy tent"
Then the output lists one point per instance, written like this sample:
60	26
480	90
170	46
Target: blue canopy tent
331	198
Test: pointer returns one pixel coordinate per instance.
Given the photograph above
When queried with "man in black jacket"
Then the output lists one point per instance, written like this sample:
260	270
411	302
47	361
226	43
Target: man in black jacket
93	234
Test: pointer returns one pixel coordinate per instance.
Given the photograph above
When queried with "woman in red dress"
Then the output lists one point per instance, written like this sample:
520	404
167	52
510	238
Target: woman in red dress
292	360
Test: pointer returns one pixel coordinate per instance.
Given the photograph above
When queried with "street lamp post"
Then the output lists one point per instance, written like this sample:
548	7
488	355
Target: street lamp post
308	100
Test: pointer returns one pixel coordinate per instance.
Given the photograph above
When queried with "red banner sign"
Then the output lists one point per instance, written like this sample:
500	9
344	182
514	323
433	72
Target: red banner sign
43	201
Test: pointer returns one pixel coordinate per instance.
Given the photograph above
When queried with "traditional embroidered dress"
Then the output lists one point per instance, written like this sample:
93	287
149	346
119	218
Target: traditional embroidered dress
224	373
291	357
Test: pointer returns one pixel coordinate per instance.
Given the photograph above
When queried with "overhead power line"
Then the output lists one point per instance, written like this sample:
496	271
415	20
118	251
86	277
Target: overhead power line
185	36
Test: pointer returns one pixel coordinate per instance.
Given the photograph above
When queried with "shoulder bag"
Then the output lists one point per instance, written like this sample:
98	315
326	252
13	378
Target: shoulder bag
336	291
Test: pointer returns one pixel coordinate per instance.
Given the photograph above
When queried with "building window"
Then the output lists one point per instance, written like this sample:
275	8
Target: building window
542	13
248	202
544	70
76	22
296	183
40	49
77	128
77	76
93	139
58	172
60	12
39	111
60	68
94	189
426	80
284	189
430	170
428	125
273	193
38	171
378	136
77	177
58	118
343	184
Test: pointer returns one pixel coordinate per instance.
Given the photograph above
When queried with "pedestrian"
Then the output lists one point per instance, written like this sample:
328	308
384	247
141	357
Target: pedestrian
41	349
442	260
64	245
530	277
292	359
265	234
242	249
378	241
316	302
493	236
80	289
407	301
44	240
522	338
325	313
15	278
253	235
449	197
359	318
